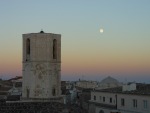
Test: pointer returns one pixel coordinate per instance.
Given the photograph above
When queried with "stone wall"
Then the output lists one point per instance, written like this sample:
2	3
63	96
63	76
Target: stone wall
39	107
31	107
41	65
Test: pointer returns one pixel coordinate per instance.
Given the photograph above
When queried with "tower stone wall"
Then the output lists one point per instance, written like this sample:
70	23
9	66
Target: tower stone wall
41	65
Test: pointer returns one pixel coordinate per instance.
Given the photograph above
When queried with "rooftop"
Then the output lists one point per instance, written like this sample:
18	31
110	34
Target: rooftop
141	89
109	80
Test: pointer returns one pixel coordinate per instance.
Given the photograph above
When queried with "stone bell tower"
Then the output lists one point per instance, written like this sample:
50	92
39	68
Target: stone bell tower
41	65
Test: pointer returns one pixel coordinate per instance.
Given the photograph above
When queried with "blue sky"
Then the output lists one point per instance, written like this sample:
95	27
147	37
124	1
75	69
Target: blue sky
122	51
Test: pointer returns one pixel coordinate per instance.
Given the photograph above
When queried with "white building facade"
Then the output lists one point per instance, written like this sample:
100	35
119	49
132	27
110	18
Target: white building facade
115	100
86	84
131	103
103	102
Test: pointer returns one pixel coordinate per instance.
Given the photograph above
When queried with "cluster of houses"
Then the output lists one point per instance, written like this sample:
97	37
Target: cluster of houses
107	96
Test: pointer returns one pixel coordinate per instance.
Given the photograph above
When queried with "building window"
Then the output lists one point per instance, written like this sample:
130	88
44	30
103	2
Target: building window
54	49
28	93
28	46
103	99
110	100
122	102
100	97
145	105
94	97
134	103
53	92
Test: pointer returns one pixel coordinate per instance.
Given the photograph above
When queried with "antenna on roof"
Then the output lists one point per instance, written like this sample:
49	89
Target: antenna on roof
41	31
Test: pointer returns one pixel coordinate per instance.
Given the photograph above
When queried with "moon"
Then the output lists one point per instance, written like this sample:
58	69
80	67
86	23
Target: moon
101	30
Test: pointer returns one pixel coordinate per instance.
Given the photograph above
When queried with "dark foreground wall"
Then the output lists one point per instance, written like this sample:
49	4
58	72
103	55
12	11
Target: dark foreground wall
39	107
32	107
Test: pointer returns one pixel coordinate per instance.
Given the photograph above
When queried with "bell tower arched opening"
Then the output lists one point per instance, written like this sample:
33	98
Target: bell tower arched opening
28	49
54	49
28	46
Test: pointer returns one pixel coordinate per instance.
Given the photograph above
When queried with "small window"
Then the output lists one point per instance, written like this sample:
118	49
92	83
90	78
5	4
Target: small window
134	103
103	99
53	92
28	93
110	100
122	102
28	46
145	104
94	97
54	49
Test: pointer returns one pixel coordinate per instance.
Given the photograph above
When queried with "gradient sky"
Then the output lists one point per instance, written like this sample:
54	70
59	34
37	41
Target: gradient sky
122	51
